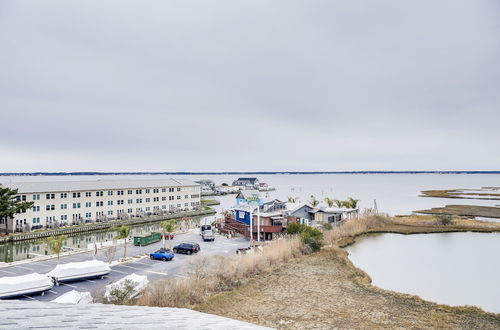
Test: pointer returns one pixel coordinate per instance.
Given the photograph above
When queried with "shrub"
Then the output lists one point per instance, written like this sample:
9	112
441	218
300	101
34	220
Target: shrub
327	226
444	219
312	237
122	294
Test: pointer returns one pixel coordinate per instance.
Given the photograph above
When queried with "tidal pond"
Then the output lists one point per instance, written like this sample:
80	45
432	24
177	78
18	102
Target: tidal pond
449	268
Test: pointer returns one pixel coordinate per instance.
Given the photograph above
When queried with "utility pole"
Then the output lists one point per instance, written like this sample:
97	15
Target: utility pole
258	223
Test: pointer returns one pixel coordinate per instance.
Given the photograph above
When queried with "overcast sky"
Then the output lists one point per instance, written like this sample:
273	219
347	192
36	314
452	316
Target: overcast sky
249	85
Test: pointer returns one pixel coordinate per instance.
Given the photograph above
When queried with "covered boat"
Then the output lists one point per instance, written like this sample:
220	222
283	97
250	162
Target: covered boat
74	297
137	283
75	271
15	286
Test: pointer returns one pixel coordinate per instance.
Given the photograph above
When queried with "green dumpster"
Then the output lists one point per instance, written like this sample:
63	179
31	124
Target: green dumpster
147	239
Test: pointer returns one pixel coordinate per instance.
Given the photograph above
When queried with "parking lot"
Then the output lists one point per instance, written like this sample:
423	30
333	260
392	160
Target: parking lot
153	269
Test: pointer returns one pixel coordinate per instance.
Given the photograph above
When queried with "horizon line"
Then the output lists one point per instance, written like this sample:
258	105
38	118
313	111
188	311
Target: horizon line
76	173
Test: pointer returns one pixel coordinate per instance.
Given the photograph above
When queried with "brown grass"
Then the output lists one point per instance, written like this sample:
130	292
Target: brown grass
207	275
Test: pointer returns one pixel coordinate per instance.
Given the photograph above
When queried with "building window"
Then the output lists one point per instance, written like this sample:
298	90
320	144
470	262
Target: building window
76	205
130	201
21	197
130	192
36	208
156	190
36	197
170	189
179	197
187	196
101	203
88	215
110	192
179	189
50	207
99	193
110	212
88	204
156	199
88	194
119	192
163	189
64	217
164	198
148	200
36	220
129	210
171	198
111	203
64	206
50	196
138	191
148	208
164	206
120	202
64	195
138	200
76	195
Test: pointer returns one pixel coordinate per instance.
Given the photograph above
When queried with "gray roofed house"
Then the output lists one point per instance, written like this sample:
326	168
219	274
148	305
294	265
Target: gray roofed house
246	182
15	314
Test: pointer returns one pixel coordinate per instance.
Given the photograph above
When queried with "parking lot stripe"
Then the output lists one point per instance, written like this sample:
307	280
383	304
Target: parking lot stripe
8	272
153	272
71	286
25	296
52	291
117	271
25	268
126	266
94	281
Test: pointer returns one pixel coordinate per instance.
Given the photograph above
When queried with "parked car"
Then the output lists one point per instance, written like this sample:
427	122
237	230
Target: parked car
208	235
205	227
162	254
168	235
187	248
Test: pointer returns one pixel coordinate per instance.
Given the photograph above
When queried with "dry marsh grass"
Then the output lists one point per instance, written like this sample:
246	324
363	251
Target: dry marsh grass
208	275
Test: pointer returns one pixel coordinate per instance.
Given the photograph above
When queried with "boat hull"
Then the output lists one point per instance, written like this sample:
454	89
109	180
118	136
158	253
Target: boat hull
25	292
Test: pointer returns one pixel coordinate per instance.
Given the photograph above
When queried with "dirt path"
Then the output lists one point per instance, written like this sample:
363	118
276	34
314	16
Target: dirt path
325	291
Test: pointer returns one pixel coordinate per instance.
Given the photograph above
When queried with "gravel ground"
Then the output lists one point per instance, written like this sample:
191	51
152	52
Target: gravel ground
324	291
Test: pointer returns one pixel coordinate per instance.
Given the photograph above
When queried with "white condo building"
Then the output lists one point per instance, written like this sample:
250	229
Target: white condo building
60	203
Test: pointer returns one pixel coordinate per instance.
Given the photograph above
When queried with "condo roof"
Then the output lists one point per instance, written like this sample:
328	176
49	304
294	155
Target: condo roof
56	186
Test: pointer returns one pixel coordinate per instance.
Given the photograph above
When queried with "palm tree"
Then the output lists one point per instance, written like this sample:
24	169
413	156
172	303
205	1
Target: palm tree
329	201
313	201
293	199
169	227
10	206
56	244
351	203
339	203
123	233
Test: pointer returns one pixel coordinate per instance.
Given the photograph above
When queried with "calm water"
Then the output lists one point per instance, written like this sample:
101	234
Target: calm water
395	193
452	268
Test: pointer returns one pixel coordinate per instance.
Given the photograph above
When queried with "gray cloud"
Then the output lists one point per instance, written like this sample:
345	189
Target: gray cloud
251	85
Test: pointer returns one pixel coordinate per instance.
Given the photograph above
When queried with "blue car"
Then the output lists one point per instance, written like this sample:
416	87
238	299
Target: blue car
162	254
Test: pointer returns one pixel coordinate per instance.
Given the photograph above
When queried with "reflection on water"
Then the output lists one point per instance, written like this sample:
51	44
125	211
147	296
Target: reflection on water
451	268
21	250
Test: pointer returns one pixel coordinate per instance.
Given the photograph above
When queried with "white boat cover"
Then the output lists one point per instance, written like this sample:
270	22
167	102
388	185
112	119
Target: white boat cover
74	297
25	284
139	282
77	270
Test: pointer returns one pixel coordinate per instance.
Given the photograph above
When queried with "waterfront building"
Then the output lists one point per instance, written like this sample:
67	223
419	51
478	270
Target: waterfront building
207	186
247	183
61	203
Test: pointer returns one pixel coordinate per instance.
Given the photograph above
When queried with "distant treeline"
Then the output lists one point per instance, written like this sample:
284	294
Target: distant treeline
251	173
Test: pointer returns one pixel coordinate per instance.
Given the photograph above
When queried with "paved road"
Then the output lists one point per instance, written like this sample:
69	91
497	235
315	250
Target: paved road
153	269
